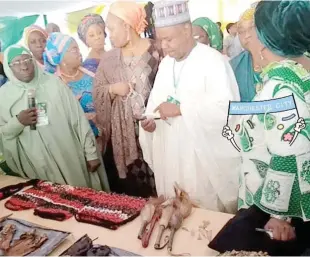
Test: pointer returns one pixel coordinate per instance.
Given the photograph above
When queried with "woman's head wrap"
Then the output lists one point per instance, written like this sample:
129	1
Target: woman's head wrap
86	22
34	28
56	47
9	54
284	26
212	30
15	51
131	13
248	15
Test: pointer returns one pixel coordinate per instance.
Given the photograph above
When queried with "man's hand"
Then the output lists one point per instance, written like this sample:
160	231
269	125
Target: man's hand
168	110
282	230
28	117
93	165
148	125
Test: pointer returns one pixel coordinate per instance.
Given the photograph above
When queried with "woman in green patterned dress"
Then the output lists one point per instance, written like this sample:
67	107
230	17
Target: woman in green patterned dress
276	165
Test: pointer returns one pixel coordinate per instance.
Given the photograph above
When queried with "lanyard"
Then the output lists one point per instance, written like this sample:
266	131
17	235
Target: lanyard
176	81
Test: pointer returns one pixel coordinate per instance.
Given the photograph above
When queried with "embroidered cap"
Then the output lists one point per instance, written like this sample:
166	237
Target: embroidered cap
170	13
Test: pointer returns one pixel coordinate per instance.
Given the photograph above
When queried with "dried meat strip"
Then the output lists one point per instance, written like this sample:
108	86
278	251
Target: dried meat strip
6	236
26	244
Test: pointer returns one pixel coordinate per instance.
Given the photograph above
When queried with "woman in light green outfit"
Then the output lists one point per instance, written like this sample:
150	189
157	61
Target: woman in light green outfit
276	169
62	149
207	32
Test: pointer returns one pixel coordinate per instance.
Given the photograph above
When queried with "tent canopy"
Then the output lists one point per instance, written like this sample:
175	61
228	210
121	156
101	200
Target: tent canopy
24	8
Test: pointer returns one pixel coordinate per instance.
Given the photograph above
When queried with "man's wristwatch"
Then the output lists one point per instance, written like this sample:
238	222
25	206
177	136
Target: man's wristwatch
279	217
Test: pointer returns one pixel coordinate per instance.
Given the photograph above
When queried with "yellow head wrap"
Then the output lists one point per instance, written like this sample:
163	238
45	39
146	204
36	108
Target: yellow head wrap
248	15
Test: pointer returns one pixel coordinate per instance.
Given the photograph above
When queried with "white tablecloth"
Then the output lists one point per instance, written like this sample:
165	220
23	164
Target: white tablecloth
126	236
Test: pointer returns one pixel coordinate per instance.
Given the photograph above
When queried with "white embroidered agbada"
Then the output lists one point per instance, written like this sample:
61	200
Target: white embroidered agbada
191	150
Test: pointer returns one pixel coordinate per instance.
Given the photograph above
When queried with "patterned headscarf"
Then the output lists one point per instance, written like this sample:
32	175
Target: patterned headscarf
86	22
283	26
56	47
34	28
131	13
212	30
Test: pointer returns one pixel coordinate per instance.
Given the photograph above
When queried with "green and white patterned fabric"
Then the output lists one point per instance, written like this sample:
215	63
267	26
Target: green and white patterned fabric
276	175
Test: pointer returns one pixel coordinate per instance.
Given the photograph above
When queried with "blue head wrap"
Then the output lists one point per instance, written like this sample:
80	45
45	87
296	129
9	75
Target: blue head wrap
57	45
284	26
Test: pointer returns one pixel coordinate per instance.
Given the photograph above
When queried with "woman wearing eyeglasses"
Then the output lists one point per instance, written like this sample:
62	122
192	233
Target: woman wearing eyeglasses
62	57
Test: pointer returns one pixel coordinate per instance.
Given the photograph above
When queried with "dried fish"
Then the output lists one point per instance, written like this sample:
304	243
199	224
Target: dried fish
6	236
163	224
147	213
147	234
146	216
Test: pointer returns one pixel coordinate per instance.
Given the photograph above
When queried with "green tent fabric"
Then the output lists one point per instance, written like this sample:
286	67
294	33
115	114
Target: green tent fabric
12	29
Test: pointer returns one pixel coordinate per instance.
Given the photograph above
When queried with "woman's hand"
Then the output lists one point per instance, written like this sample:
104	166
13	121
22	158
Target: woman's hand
282	230
93	165
121	89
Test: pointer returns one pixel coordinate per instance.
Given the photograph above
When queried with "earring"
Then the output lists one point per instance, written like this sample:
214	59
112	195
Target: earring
128	38
261	55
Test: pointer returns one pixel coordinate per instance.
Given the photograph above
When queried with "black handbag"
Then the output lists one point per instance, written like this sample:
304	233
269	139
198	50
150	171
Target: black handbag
240	234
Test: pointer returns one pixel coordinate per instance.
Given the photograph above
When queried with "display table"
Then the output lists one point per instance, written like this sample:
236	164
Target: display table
126	236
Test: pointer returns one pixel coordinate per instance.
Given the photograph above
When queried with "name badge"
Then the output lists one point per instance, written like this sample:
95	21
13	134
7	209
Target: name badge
42	115
172	100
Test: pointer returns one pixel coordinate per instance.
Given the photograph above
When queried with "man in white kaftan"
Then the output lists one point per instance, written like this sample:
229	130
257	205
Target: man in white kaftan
192	94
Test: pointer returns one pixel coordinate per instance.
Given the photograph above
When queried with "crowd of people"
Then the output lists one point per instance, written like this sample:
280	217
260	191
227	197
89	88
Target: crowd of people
150	112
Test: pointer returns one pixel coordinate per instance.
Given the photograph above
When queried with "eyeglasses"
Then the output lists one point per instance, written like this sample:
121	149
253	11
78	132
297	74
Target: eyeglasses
74	51
20	63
